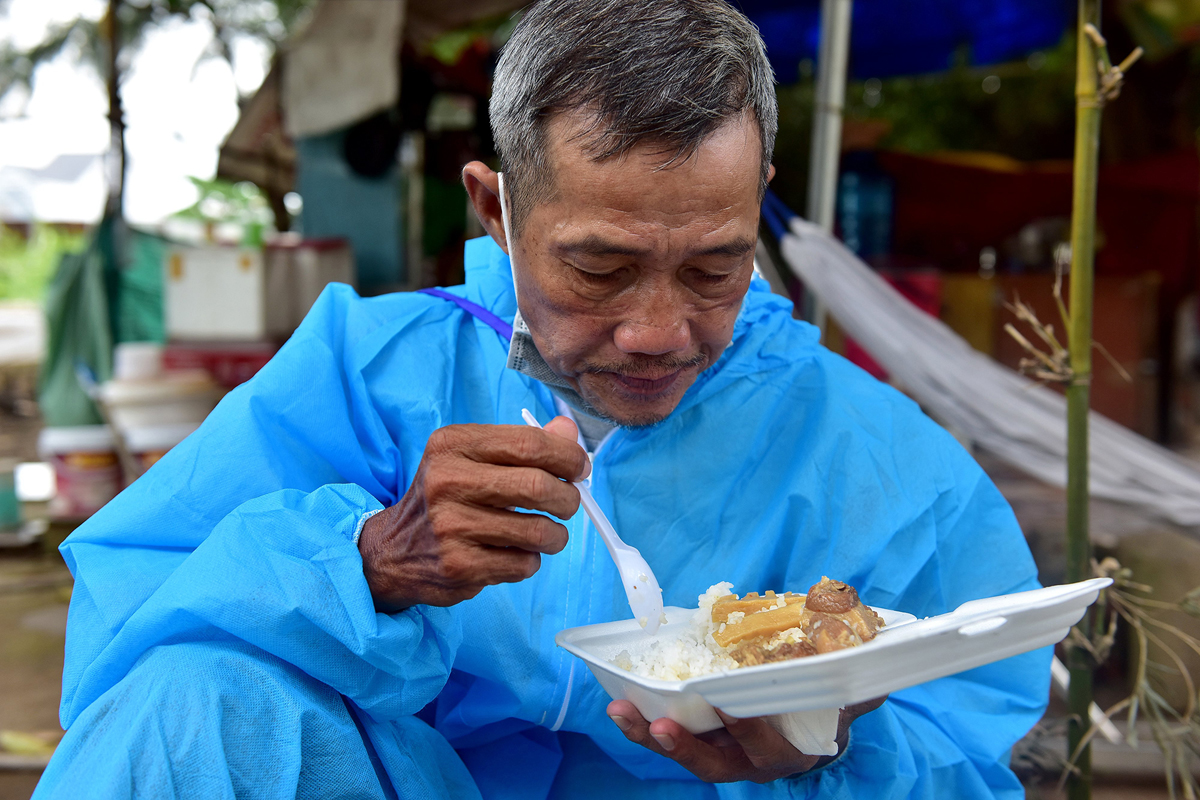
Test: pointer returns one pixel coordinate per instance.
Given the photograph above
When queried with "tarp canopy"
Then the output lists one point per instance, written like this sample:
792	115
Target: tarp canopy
904	37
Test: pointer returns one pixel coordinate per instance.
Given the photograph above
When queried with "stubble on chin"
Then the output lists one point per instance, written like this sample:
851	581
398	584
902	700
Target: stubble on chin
618	410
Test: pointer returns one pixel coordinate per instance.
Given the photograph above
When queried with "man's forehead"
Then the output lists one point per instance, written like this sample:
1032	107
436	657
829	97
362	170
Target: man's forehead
721	176
574	136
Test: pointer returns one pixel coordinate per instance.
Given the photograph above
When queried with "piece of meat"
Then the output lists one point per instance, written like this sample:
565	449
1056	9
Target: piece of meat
828	633
751	654
833	597
840	599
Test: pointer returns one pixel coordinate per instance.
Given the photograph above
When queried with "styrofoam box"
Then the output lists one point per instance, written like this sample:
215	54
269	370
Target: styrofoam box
233	293
215	293
906	652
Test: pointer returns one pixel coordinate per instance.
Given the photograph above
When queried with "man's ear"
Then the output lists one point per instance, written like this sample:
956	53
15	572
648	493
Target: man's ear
770	173
483	187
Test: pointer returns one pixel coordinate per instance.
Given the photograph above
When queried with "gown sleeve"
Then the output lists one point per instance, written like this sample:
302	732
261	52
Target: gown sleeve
950	737
247	532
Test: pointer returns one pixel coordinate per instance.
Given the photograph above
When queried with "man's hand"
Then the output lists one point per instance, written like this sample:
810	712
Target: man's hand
745	750
453	532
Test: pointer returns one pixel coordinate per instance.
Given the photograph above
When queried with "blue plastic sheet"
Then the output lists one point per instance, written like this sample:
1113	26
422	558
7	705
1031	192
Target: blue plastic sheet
904	37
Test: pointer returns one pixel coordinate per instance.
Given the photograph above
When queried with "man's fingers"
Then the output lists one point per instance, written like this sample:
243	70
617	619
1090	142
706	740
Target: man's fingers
491	565
764	746
669	738
514	446
526	487
705	761
564	427
532	532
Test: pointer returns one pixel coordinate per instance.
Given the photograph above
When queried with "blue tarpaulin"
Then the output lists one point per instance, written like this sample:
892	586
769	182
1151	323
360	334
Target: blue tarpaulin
905	37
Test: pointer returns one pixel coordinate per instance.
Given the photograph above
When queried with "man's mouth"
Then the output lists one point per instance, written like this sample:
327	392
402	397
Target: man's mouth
645	386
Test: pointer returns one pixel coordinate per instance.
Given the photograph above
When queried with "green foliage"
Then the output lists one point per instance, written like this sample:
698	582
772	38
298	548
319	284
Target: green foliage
28	266
224	203
220	202
1029	114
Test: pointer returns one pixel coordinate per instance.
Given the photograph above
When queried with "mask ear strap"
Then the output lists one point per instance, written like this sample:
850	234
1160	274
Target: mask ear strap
508	237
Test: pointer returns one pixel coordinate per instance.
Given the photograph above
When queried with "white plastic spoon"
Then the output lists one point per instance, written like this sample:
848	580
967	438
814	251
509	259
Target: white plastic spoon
641	587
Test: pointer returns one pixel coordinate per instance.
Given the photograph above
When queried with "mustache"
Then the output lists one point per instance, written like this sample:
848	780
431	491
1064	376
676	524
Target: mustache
649	365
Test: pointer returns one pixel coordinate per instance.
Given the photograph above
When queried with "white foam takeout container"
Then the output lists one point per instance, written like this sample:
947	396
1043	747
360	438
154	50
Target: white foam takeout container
908	651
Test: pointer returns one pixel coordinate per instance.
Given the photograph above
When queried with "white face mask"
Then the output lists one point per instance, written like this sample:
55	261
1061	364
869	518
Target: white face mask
508	237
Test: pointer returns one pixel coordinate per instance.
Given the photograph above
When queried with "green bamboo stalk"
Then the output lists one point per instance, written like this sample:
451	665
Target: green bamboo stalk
1088	104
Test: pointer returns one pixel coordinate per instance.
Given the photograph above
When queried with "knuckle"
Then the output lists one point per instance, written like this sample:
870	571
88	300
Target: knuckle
530	445
441	440
533	484
437	482
457	568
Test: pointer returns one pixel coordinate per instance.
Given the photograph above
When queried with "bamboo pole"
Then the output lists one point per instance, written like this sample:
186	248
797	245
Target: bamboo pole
1088	104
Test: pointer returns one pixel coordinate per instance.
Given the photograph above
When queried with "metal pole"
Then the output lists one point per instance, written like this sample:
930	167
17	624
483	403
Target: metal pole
825	155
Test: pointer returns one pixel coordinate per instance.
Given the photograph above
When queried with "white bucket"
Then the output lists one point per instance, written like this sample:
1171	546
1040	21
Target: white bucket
149	443
86	468
135	361
176	398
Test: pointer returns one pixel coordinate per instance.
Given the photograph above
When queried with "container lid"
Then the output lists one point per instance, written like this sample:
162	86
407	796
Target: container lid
154	438
76	439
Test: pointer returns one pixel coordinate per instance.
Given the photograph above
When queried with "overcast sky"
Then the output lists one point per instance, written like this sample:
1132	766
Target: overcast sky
177	110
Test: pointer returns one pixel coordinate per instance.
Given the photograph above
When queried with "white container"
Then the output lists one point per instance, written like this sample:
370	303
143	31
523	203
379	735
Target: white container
239	294
149	443
296	276
87	472
176	398
906	652
215	293
137	361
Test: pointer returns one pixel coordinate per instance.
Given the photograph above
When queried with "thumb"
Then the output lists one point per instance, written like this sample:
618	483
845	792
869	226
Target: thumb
564	427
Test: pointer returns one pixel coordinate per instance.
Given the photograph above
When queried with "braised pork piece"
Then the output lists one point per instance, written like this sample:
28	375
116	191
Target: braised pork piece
768	628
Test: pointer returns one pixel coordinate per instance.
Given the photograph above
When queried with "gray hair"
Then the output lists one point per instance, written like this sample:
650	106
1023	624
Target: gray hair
665	72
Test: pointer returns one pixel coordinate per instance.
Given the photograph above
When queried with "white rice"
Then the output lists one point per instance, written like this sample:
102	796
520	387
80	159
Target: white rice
693	653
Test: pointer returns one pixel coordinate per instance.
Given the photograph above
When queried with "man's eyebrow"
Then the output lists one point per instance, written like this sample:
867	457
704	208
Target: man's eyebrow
593	245
736	247
599	246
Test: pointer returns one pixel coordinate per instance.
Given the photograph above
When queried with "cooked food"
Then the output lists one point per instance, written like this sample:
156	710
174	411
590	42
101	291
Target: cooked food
728	631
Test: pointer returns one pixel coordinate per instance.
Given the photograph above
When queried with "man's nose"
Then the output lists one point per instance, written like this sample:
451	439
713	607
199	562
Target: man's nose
656	332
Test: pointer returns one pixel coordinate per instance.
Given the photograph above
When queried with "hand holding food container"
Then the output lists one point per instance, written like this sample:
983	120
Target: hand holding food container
808	681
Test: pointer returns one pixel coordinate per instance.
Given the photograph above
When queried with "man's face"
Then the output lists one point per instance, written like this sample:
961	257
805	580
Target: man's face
631	276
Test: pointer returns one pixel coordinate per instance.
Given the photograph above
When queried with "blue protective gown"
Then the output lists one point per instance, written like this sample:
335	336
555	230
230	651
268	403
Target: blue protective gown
222	641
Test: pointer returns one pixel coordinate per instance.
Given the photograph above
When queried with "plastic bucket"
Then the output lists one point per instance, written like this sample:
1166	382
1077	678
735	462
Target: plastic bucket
149	443
86	468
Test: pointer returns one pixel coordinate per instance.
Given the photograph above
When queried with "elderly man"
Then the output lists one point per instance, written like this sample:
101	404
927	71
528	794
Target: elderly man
327	590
